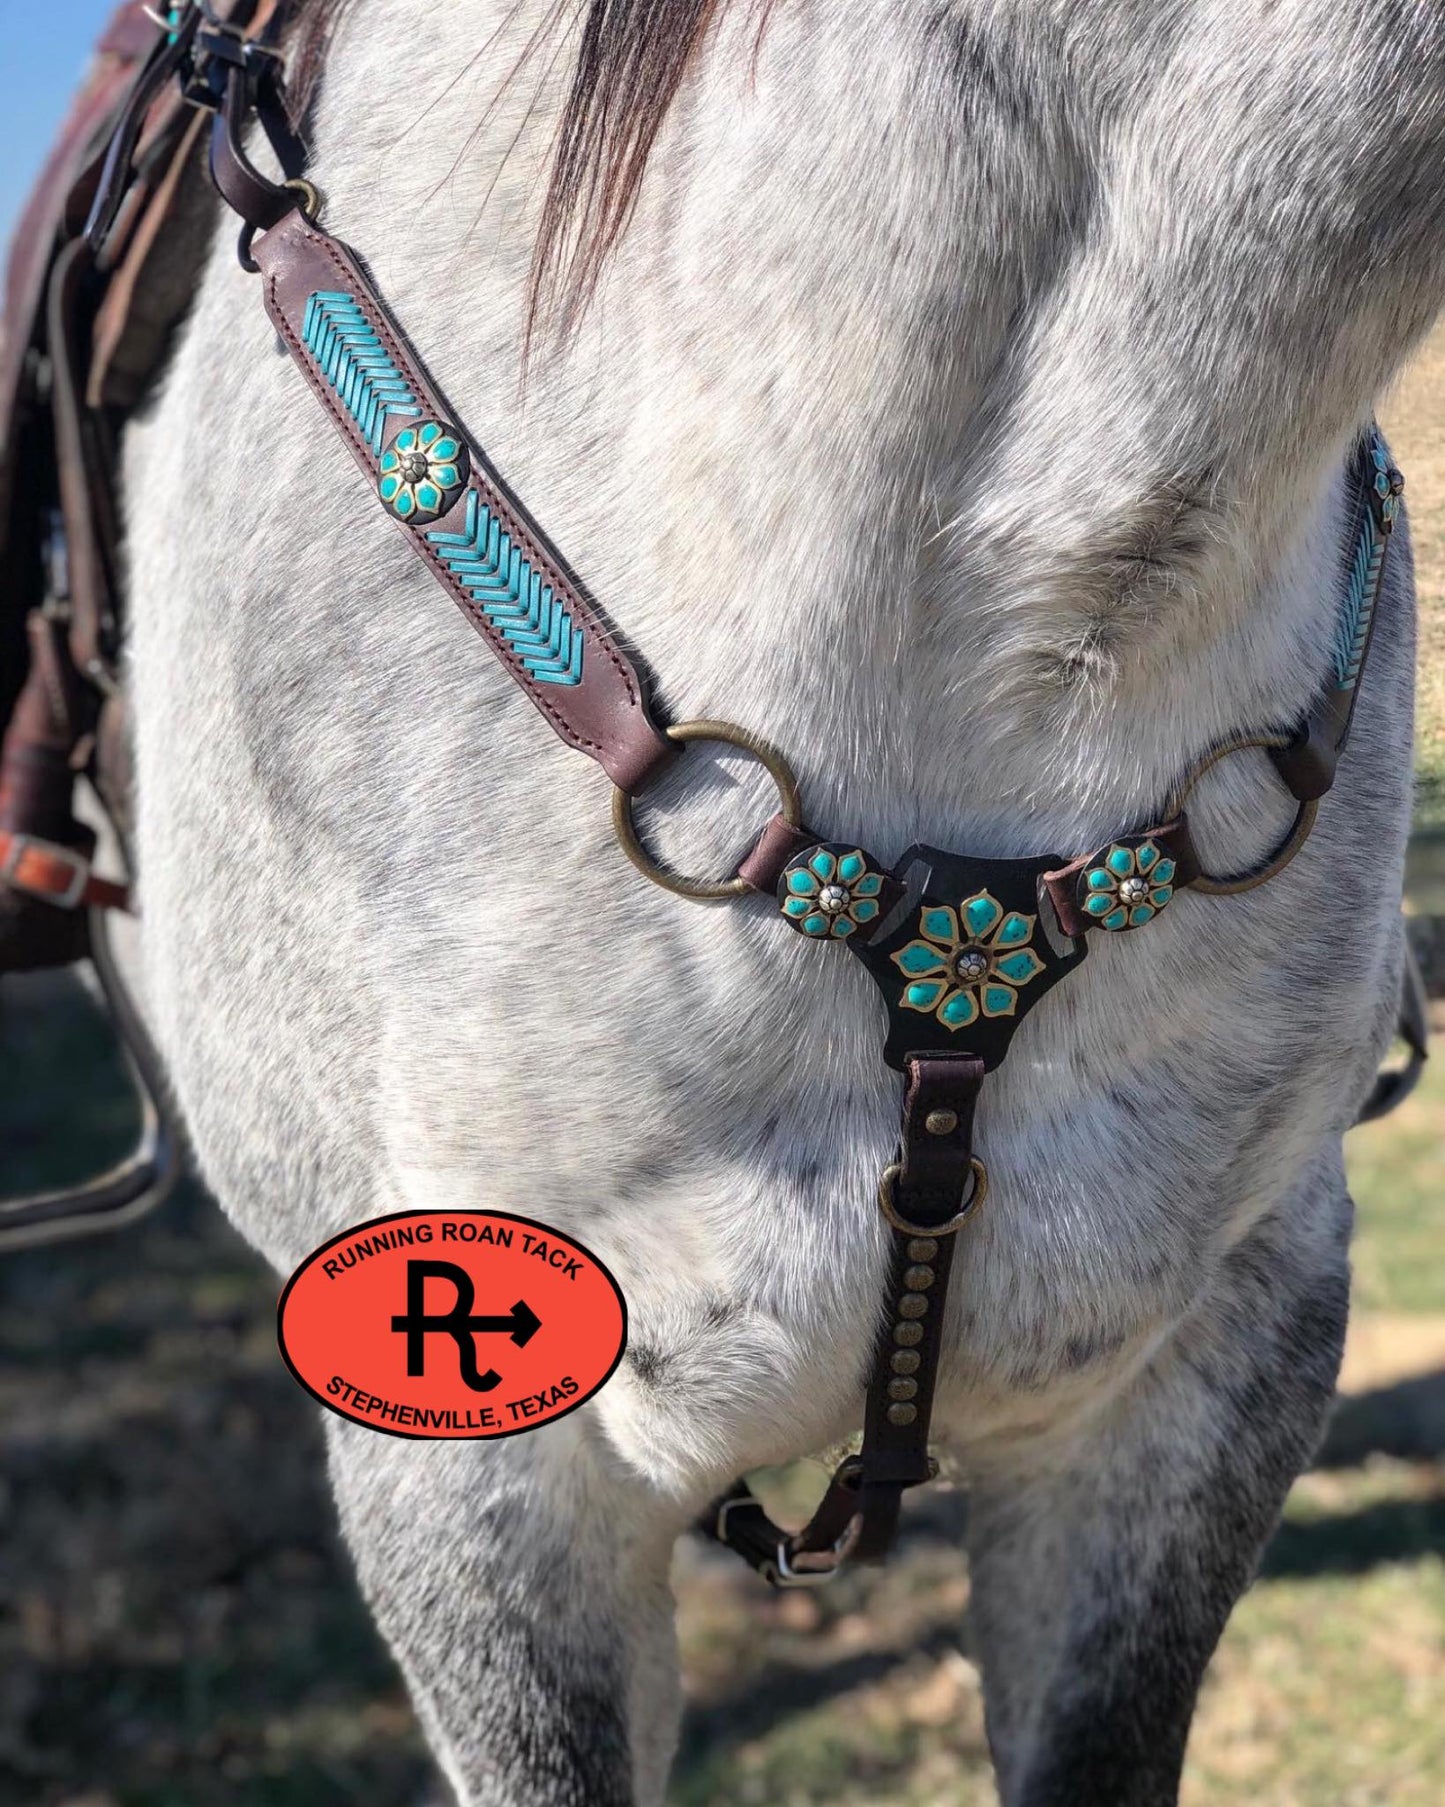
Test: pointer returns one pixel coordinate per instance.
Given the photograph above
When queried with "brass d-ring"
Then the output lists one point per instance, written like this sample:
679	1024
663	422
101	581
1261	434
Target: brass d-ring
889	1180
310	195
1299	832
698	889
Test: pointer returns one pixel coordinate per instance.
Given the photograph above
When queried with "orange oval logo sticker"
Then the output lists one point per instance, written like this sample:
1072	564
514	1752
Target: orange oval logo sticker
452	1324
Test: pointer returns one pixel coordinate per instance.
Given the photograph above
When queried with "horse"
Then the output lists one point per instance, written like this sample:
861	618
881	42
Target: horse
959	394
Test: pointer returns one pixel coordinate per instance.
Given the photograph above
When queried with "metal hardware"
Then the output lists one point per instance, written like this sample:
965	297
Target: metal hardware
941	1122
706	890
889	1180
79	868
311	199
1230	885
781	1573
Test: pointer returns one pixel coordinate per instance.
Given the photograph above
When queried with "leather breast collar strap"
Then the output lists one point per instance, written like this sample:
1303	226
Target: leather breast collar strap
960	947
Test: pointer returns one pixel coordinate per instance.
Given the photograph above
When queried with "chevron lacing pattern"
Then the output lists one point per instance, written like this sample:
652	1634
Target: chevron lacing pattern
349	355
1364	584
512	596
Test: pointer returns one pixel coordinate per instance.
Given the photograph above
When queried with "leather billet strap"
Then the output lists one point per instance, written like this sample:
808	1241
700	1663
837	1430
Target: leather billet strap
927	1196
486	552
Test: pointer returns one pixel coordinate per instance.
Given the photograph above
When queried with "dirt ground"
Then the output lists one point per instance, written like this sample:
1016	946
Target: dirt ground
178	1627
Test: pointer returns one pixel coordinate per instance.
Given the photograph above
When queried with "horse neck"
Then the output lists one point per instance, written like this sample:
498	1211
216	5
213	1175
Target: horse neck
965	405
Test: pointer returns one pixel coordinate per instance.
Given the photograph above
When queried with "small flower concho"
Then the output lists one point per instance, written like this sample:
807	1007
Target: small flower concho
832	895
971	959
1127	886
422	472
1388	482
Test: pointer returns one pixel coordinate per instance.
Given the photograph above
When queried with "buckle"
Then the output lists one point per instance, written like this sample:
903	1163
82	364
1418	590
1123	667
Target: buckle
79	868
781	1573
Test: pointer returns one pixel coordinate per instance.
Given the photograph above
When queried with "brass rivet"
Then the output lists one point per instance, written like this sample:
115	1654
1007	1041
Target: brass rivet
919	1279
906	1361
908	1334
922	1248
912	1306
902	1389
902	1414
941	1123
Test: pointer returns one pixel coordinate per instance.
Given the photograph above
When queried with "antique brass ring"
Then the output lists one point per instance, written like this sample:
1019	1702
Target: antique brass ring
889	1180
310	195
1299	831
702	890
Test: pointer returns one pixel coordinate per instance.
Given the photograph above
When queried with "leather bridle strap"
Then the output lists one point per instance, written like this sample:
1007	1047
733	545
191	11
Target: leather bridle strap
453	506
926	1197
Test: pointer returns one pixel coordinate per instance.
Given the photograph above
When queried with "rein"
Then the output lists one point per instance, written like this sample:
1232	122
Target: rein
961	948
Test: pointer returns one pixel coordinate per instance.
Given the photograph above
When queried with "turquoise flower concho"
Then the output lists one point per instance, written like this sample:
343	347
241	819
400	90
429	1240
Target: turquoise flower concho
829	893
422	472
1124	887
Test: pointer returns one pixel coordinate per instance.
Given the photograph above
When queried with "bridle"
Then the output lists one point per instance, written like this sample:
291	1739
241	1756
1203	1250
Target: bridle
960	947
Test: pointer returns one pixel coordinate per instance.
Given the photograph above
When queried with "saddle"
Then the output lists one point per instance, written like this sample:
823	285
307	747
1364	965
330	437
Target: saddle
88	319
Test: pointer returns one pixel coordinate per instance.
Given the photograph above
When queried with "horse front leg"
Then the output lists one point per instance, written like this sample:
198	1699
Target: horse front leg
1103	1573
523	1587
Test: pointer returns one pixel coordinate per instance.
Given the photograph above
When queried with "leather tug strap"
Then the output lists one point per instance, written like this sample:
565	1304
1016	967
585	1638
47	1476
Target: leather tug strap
927	1196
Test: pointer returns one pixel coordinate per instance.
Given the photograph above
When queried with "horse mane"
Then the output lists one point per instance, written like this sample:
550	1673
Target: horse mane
630	64
631	61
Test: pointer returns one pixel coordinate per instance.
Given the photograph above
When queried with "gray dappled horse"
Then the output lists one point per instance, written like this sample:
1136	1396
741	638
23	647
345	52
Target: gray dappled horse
958	393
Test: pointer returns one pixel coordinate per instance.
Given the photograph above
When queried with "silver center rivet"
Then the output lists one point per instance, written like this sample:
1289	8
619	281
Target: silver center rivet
1134	890
833	899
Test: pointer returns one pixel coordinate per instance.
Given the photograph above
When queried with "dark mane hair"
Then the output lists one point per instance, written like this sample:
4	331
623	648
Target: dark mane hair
631	62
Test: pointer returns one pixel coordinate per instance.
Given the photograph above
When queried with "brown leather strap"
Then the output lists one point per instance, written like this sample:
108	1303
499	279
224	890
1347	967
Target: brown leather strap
1307	765
927	1195
762	867
484	540
56	875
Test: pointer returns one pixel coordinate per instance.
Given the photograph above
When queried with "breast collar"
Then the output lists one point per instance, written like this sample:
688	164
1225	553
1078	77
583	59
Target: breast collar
961	948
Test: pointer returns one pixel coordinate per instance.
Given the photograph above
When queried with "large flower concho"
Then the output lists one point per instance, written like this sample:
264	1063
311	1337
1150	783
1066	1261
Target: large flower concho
1127	886
422	472
969	960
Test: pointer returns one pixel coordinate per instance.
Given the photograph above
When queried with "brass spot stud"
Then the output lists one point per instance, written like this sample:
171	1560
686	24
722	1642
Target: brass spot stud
941	1122
908	1334
902	1414
922	1248
912	1305
902	1389
905	1361
919	1279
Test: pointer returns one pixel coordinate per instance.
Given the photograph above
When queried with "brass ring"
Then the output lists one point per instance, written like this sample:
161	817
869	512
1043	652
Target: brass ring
889	1179
701	890
1299	832
310	195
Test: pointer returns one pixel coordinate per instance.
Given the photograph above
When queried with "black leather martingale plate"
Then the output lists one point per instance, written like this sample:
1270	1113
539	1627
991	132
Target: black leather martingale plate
963	957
